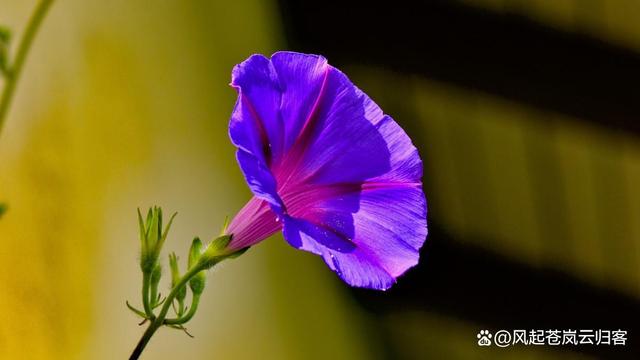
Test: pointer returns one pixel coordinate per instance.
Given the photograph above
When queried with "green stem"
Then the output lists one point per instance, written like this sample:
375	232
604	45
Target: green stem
192	311
160	319
14	70
146	279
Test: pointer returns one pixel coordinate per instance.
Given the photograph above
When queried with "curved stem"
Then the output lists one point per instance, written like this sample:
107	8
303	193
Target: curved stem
13	73
192	311
160	319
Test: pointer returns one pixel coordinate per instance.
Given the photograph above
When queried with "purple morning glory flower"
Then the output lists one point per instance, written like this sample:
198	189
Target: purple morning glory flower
327	167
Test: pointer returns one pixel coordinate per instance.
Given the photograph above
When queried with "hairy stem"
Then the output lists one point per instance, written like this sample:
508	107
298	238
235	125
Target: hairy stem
13	73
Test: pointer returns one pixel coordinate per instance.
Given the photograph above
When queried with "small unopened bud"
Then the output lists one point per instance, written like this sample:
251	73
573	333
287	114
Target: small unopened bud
197	282
175	271
152	237
156	275
175	278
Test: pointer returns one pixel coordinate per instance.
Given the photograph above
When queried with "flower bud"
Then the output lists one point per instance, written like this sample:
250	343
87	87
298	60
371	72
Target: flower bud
156	275
197	282
152	237
175	278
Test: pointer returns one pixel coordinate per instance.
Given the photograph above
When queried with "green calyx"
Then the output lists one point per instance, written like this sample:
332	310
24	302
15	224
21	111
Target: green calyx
216	251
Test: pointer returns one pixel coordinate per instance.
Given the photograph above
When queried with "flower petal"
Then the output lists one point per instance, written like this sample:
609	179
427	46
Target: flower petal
321	238
256	125
405	163
340	142
260	180
354	267
264	97
360	177
301	79
389	229
254	222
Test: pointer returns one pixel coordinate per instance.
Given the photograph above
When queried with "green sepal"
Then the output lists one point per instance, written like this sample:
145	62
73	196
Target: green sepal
144	246
155	230
148	221
217	247
163	236
218	250
238	253
225	226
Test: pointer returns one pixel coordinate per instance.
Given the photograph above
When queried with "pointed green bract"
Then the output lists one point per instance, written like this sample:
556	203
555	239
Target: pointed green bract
225	226
136	311
143	232
163	237
154	232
